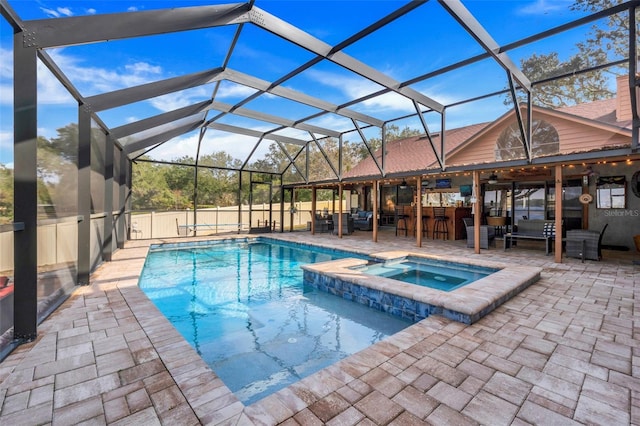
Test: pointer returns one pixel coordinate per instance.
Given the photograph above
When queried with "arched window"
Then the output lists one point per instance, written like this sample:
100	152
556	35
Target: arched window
544	138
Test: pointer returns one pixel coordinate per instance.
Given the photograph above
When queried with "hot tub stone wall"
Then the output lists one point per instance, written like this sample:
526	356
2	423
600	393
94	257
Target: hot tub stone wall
399	306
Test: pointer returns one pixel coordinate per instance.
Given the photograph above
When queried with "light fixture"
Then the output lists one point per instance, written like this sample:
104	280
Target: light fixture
493	178
403	184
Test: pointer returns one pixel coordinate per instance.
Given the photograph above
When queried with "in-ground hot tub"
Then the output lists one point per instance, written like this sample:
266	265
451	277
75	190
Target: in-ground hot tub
348	278
431	273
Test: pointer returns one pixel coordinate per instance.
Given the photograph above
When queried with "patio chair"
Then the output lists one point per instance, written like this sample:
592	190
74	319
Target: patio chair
585	244
347	224
487	233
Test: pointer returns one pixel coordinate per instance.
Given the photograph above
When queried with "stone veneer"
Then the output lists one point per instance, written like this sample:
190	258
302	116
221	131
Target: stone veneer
413	302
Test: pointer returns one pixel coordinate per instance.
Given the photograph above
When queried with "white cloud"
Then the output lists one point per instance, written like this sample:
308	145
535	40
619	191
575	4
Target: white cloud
6	94
143	67
132	9
234	91
6	77
238	146
58	12
176	148
6	140
65	11
176	100
91	80
91	11
50	12
355	87
50	91
545	7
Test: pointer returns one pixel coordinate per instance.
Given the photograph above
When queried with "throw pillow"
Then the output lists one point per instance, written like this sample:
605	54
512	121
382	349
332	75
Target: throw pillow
549	229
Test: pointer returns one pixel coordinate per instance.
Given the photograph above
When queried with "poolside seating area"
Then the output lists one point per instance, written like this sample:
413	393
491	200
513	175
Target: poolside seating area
562	351
532	229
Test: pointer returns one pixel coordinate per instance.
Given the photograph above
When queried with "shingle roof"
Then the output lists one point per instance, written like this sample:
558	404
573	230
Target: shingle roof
603	111
413	153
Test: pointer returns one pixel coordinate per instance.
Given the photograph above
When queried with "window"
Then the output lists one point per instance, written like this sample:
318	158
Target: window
544	141
611	192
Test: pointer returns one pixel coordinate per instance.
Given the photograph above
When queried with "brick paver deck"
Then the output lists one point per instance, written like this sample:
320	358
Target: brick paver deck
564	351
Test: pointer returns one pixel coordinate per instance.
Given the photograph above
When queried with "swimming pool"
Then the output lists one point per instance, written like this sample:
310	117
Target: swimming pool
244	308
436	274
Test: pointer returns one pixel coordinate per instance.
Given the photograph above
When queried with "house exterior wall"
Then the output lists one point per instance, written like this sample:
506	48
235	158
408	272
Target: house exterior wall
573	137
623	223
623	98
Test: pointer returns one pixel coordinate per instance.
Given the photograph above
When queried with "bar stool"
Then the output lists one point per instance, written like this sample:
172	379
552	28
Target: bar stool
401	221
440	227
425	222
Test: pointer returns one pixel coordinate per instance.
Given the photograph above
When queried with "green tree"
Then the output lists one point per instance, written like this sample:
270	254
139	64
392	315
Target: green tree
149	187
357	151
605	43
611	40
218	187
6	195
578	88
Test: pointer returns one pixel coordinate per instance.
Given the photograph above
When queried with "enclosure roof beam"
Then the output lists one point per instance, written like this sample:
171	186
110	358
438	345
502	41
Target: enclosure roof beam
11	16
158	120
267	87
461	14
294	35
254	133
130	95
56	32
161	138
244	112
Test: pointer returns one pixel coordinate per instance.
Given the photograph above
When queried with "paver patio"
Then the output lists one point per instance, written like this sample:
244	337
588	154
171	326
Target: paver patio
564	351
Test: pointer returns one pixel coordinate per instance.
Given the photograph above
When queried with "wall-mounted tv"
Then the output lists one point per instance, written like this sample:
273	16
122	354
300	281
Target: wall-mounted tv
466	190
443	183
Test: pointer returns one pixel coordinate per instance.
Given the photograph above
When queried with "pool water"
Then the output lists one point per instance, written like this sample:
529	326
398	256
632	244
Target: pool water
445	276
244	308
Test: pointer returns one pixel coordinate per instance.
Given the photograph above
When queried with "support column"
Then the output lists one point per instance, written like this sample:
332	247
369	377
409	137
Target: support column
25	198
240	202
122	200
375	210
291	206
107	247
84	195
281	206
477	212
313	210
339	211
418	226
558	213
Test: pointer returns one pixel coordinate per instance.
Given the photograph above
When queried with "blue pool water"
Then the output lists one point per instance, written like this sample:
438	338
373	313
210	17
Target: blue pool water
244	308
445	276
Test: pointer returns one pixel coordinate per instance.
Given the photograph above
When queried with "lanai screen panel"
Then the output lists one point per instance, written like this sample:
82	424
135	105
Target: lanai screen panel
266	56
297	172
57	180
6	186
103	67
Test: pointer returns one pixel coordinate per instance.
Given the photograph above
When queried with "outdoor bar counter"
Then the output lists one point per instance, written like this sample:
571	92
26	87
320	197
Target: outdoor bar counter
454	220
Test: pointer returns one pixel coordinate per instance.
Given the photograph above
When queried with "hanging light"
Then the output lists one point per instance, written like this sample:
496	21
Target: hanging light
403	184
493	178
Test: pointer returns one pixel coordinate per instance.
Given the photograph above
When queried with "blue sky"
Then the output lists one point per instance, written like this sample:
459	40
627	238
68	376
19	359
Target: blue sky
422	41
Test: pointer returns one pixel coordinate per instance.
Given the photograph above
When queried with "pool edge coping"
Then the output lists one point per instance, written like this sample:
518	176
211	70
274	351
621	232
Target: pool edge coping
470	302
